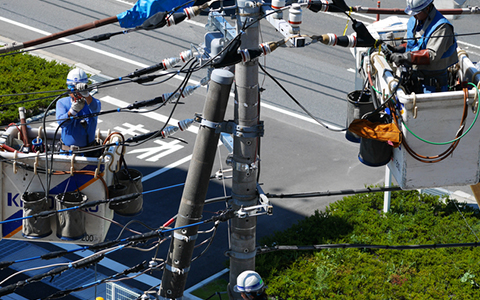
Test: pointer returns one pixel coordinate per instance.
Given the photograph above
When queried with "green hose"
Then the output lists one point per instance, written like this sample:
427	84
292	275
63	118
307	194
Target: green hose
454	140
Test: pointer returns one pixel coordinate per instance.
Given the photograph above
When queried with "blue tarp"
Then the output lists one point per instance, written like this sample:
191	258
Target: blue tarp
144	9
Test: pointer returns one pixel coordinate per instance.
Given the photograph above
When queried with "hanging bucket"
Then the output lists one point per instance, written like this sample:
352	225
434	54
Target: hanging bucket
70	223
374	153
117	190
34	203
358	104
133	206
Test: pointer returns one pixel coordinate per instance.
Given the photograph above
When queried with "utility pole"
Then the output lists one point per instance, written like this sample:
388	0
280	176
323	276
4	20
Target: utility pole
193	198
245	141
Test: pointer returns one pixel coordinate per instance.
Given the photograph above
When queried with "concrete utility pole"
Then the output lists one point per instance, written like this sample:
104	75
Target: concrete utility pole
244	160
193	199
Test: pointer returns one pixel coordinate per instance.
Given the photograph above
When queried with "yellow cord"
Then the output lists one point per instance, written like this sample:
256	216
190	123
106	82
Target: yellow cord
348	20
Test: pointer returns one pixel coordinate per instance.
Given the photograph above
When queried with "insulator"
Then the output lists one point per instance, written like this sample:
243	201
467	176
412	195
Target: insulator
185	124
170	130
245	55
187	54
169	63
175	18
187	91
278	4
315	5
170	97
205	80
329	39
295	15
265	48
332	39
191	12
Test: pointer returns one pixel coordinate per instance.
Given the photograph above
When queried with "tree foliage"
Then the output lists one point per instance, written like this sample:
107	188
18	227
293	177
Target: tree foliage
25	73
445	273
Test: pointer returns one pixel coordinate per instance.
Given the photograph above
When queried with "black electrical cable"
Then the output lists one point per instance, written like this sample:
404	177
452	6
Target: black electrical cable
181	87
334	193
298	103
135	269
133	221
263	250
209	243
31	100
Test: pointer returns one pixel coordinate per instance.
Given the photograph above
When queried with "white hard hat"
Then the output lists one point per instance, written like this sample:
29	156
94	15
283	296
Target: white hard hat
416	6
75	76
248	281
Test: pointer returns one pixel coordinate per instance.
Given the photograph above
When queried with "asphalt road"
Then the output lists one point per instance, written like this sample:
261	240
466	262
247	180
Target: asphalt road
297	155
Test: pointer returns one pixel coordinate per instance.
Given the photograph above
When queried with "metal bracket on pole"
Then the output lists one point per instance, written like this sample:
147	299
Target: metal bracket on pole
263	199
263	208
185	238
232	128
239	166
217	22
177	270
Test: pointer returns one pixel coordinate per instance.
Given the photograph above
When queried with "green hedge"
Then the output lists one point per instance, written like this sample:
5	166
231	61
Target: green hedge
25	73
447	273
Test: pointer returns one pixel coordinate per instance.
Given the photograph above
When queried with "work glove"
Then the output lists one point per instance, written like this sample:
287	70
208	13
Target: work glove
396	49
77	106
401	58
82	89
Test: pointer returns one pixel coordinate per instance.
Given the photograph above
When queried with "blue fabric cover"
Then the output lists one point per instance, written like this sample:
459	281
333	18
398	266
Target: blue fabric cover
144	9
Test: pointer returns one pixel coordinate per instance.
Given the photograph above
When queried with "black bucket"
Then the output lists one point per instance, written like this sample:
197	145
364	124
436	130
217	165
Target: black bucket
34	203
375	153
70	223
134	206
358	104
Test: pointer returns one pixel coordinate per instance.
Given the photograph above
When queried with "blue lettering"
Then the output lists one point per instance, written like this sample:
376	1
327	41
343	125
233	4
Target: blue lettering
11	200
93	209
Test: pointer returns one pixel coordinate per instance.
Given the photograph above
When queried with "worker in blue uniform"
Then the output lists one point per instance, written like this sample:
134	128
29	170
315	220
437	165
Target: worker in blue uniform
77	131
431	46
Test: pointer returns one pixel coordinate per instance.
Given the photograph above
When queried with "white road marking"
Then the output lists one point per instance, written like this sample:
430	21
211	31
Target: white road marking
111	264
152	115
169	167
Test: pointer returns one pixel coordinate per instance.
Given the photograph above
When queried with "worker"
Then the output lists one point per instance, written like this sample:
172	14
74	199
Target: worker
78	131
250	286
433	52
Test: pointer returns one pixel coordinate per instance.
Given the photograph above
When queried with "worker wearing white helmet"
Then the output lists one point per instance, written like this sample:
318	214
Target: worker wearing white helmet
76	114
250	285
431	46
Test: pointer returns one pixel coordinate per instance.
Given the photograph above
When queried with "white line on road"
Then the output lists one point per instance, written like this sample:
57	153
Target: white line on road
152	115
167	168
110	264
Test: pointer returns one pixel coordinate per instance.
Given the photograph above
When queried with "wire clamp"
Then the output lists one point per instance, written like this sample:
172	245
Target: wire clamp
232	128
35	165
15	162
185	238
99	164
249	131
72	168
240	166
205	123
415	108
254	210
177	270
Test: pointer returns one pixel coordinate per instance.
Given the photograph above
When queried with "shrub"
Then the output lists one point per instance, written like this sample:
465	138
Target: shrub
25	73
377	273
